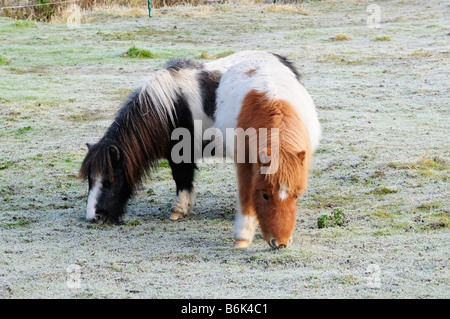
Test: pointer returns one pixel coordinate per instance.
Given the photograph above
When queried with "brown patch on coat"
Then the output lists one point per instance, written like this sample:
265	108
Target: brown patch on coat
250	72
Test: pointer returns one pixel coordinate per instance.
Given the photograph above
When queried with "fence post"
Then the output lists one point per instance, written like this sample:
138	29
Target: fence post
149	8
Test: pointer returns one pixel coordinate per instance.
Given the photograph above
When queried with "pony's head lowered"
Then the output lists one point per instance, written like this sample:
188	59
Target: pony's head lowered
114	166
109	189
275	196
275	193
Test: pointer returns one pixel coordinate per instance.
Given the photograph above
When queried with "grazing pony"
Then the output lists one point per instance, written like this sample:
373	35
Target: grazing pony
276	130
174	97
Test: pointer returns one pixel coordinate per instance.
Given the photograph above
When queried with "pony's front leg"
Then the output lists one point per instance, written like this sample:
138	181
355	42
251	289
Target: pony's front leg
183	204
246	221
245	226
183	174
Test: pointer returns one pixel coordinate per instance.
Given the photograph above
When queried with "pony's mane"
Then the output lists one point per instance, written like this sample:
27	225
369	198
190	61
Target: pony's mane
97	161
288	64
259	111
140	131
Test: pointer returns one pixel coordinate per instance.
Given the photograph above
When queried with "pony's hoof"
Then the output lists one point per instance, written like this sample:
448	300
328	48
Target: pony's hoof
241	244
176	216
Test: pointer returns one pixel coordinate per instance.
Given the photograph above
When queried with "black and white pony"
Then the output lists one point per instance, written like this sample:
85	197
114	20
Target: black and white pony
182	92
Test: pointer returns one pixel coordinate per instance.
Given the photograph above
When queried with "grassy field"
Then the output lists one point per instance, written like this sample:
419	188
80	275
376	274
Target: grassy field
383	100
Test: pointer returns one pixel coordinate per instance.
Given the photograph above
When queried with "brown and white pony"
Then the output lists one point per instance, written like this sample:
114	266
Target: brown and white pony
274	131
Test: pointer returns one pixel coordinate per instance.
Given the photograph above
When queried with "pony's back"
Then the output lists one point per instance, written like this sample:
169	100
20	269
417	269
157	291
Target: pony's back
225	63
276	81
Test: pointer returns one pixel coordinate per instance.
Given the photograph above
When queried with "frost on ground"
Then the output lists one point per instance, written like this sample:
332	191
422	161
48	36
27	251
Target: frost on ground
382	97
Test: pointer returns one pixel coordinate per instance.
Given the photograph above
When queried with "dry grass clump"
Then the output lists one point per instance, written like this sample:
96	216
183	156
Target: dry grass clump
383	38
207	56
286	9
421	54
341	37
42	10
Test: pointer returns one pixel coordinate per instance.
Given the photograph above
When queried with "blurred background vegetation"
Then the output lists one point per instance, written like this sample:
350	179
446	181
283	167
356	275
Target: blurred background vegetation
56	10
45	10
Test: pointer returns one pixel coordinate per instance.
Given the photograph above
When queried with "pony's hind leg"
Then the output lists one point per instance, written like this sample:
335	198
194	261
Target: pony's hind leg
183	174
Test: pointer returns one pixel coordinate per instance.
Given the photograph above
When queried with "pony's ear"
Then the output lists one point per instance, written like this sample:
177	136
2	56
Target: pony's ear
114	151
301	156
89	145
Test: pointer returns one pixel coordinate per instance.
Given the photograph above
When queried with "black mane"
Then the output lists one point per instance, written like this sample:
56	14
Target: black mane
288	64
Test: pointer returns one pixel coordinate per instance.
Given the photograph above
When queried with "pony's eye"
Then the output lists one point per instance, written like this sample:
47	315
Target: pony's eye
297	196
265	196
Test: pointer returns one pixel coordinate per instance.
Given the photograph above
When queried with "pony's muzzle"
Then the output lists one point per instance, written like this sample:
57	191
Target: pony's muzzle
96	219
278	245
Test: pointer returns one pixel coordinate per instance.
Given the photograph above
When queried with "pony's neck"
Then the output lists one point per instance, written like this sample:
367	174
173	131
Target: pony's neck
140	136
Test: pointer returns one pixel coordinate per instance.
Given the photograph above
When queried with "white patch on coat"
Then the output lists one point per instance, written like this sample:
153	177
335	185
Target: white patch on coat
187	80
283	193
94	194
245	225
225	63
159	91
184	202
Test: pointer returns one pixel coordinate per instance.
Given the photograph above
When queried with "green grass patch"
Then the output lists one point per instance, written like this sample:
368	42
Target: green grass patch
3	60
134	52
383	38
22	24
384	191
164	164
323	221
336	218
16	222
5	164
23	130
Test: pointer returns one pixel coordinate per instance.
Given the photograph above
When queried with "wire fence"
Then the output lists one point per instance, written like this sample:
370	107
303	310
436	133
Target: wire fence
38	4
43	10
17	4
39	10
